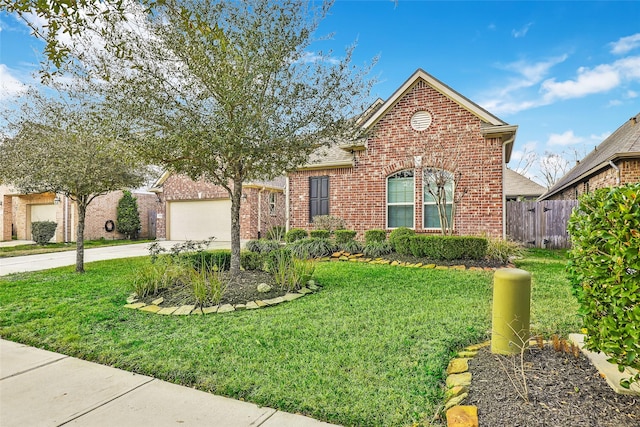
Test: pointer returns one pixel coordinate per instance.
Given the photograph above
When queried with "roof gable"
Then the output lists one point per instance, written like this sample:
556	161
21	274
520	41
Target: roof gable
624	142
437	85
516	184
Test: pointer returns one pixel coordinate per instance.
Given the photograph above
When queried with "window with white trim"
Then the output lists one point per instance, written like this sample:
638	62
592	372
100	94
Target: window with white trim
272	204
437	183
400	199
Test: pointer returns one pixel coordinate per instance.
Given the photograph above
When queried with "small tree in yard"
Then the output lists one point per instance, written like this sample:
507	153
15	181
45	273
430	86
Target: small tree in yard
226	91
128	218
66	144
604	269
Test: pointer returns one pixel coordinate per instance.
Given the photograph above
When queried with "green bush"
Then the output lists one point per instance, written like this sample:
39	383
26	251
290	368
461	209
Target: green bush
377	249
220	258
274	260
128	217
312	248
352	247
375	236
502	250
448	247
604	270
276	232
328	222
344	236
399	240
43	231
251	260
320	234
262	245
295	234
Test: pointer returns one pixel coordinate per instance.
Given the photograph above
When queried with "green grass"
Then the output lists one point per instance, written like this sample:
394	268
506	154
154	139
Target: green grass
33	249
369	349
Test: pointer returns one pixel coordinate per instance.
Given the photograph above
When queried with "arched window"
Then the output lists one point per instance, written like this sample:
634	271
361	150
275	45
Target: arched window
400	199
438	190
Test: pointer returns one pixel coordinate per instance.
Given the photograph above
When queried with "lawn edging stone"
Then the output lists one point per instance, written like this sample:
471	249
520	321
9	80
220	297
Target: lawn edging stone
155	306
458	382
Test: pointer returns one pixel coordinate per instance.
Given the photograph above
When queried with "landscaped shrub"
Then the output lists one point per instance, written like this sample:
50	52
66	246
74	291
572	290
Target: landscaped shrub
448	247
399	240
220	258
276	233
604	269
251	260
377	249
328	222
375	236
320	234
128	217
43	231
350	246
275	258
295	234
262	245
503	250
344	236
207	284
312	248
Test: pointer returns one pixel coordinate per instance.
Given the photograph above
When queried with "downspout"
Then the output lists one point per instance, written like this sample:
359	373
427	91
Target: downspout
65	225
617	169
286	204
504	199
260	212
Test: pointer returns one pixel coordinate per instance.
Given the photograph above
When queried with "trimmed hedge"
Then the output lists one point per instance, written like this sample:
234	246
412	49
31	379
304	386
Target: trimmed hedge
604	270
220	258
320	234
251	260
344	236
448	247
399	240
375	236
43	231
295	234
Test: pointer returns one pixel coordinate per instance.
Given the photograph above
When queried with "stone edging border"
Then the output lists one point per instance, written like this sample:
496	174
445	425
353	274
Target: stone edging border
458	383
154	307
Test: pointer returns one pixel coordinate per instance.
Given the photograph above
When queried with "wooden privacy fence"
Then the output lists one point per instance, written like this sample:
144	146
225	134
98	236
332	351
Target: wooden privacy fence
540	224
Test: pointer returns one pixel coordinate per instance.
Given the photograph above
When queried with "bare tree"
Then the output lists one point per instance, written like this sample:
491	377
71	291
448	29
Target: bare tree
553	166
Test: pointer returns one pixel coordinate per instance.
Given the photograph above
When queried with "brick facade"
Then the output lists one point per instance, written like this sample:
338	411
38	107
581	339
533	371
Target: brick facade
608	177
256	216
453	140
16	215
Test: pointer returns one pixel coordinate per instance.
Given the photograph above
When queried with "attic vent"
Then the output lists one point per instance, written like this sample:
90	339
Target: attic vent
421	120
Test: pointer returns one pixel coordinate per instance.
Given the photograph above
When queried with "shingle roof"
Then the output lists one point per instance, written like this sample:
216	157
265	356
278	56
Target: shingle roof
624	142
516	184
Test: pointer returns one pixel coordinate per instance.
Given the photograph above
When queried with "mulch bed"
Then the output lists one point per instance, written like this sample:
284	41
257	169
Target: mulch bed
563	390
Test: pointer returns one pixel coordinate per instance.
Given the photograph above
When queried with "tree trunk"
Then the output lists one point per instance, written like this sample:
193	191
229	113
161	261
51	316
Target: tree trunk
236	196
82	211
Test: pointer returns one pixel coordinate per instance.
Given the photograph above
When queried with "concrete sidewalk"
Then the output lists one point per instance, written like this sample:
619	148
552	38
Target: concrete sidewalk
41	388
38	262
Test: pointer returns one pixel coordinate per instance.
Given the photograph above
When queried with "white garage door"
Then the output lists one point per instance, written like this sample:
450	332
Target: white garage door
200	219
43	213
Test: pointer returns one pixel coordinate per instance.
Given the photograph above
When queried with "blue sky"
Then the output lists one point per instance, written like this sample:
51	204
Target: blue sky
568	73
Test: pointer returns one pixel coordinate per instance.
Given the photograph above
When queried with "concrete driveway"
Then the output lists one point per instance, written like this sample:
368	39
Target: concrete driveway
25	263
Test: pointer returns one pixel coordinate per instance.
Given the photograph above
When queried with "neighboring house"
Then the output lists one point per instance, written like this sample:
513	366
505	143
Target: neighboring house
518	187
19	210
197	210
378	182
614	162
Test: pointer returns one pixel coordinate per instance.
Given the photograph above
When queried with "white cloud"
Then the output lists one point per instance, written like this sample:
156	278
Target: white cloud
599	138
10	86
625	44
566	138
631	94
599	79
309	57
522	31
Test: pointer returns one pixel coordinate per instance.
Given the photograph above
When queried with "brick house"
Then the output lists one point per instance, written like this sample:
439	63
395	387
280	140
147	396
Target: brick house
615	161
196	210
378	182
18	211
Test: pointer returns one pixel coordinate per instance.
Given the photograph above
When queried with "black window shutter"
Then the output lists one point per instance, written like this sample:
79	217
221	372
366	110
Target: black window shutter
318	196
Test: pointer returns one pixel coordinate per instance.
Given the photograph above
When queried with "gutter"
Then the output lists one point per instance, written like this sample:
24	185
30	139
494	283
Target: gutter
260	211
617	169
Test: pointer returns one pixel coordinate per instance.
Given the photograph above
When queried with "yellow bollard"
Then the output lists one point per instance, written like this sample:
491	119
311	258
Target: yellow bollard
511	310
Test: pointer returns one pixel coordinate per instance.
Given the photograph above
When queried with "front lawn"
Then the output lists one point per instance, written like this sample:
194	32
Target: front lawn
369	349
